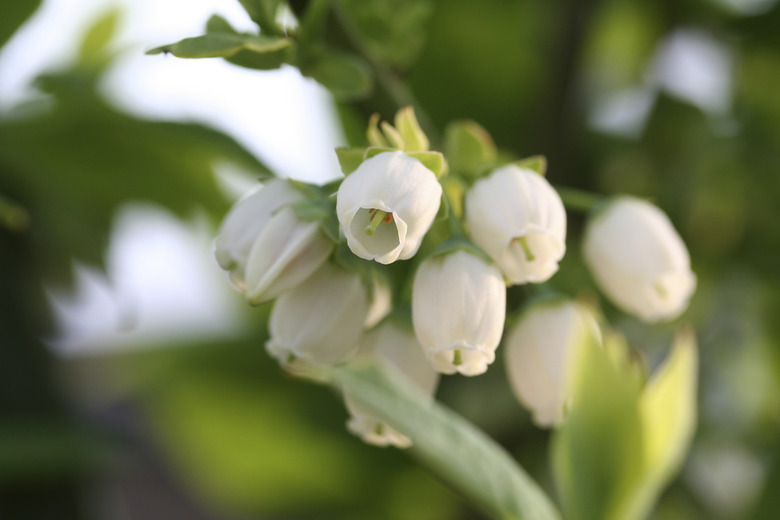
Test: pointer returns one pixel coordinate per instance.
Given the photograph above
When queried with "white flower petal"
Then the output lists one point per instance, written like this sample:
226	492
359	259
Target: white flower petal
519	220
638	259
459	304
319	321
539	350
399	185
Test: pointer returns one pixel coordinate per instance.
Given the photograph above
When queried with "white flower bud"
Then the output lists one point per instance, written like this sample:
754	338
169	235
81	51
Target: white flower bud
519	220
319	321
398	348
264	245
638	259
387	205
539	352
458	310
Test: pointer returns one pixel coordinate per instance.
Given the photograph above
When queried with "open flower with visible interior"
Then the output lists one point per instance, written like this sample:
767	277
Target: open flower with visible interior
519	220
265	247
320	321
638	260
397	348
458	310
540	349
386	206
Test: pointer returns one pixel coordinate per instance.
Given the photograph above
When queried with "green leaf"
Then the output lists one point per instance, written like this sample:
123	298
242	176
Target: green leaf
469	460
622	443
350	158
434	161
217	24
469	147
346	76
221	44
392	30
15	12
263	13
537	163
668	411
96	40
597	453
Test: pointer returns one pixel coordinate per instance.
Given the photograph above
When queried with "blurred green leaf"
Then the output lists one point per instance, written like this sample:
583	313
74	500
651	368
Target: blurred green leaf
622	443
391	30
94	44
15	12
452	447
72	165
221	44
597	454
345	75
263	13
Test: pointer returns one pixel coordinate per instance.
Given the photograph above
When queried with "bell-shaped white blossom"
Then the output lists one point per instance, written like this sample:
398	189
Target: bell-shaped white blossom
458	310
265	247
540	349
638	259
386	206
319	321
519	220
397	348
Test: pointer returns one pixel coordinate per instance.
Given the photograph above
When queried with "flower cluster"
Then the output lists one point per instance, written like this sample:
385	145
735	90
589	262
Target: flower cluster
464	231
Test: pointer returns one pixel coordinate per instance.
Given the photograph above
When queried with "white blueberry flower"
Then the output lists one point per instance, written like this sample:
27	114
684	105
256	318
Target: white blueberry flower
638	259
387	205
265	247
458	310
519	220
319	321
397	348
539	350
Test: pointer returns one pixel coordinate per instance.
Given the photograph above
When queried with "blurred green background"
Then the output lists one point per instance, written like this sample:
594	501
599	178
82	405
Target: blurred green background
676	101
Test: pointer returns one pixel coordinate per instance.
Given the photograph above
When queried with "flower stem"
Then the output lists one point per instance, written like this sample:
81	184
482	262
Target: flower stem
579	200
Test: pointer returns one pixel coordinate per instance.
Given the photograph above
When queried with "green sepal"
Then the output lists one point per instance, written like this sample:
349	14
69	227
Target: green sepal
469	147
365	269
413	137
537	163
373	135
222	45
318	207
371	151
350	158
460	243
434	161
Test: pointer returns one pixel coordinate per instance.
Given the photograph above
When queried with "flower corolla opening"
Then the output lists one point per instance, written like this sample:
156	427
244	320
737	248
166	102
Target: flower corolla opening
387	205
518	219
